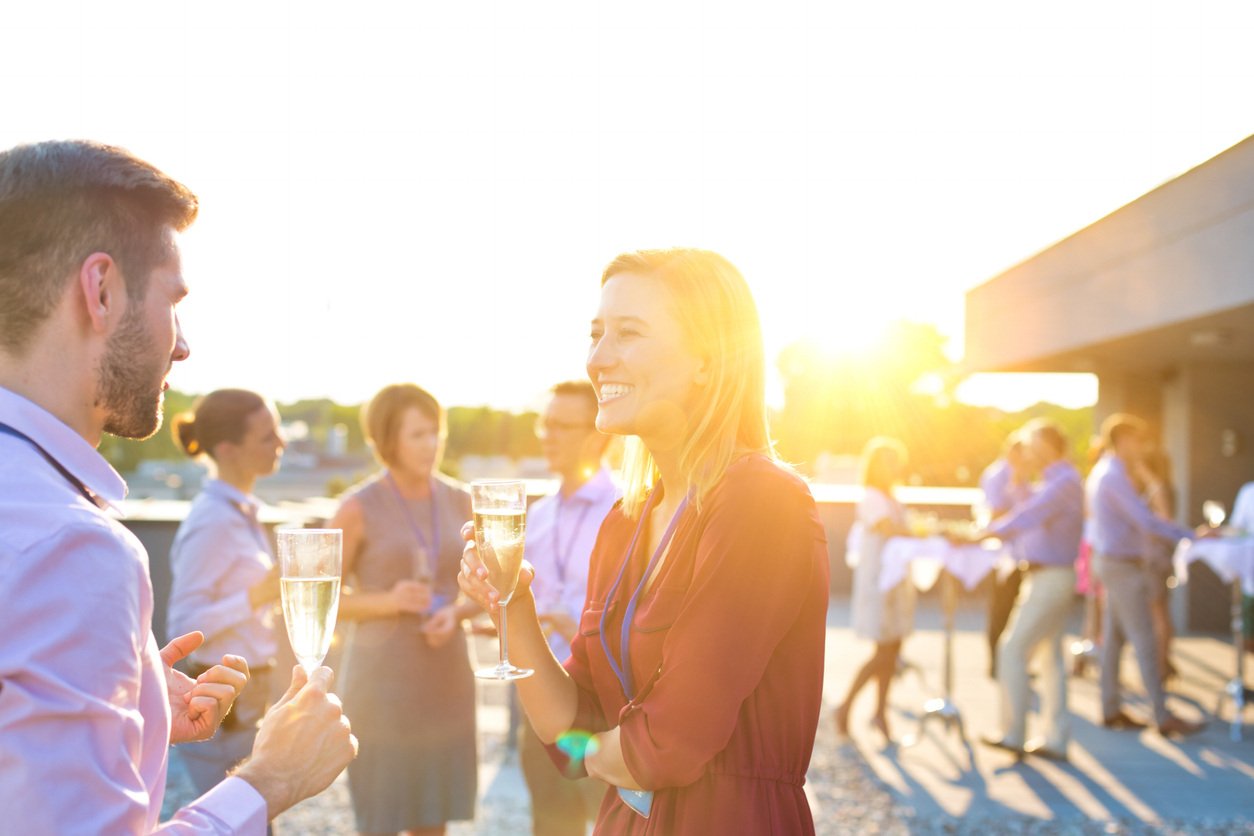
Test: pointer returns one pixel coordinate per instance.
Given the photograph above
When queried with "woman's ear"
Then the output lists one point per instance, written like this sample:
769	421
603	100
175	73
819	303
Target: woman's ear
702	376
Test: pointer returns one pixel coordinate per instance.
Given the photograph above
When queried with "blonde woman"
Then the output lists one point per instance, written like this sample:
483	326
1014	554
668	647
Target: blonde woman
885	618
695	678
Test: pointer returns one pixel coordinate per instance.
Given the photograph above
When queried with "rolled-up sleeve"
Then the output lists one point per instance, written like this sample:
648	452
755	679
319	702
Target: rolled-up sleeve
589	718
755	563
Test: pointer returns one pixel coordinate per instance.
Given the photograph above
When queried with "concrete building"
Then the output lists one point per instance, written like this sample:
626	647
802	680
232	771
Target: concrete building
1157	300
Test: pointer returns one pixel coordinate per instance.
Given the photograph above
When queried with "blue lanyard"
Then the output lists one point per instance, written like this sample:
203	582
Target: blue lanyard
432	546
87	492
622	668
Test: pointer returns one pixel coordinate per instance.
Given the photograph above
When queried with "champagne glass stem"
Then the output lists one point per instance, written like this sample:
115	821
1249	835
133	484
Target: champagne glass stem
504	643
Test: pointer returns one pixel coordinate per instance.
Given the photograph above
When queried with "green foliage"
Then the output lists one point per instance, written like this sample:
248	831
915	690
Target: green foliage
484	431
471	431
833	403
836	402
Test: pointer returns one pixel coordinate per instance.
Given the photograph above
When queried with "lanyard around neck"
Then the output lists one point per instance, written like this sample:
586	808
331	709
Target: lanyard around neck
563	555
430	546
622	667
60	468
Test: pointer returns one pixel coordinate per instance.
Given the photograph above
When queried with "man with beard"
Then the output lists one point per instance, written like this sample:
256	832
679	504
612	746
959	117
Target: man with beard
90	276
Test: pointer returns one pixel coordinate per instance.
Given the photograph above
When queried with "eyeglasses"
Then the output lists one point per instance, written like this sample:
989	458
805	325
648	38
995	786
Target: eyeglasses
544	429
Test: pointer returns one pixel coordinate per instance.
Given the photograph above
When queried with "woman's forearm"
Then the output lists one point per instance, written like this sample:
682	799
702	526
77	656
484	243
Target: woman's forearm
465	608
605	761
361	606
549	696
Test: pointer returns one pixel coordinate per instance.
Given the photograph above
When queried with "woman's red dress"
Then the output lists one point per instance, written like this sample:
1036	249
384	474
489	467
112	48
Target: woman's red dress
727	657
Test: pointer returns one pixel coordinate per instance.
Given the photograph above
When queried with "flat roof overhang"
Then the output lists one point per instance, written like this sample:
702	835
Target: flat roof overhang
1164	281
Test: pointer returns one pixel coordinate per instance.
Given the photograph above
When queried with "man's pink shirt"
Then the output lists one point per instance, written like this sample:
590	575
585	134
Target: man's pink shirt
84	712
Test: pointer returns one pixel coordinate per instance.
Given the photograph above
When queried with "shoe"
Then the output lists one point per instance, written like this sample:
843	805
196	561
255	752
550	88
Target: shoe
1040	750
1000	743
1122	721
1174	725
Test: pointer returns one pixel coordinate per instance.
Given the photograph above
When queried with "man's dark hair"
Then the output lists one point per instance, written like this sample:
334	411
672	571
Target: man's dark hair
579	389
1051	433
1116	427
62	201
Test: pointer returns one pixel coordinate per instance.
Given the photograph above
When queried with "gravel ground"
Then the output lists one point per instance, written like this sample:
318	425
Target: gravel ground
847	797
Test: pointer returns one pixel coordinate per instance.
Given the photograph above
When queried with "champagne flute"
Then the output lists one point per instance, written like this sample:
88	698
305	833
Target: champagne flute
309	565
500	509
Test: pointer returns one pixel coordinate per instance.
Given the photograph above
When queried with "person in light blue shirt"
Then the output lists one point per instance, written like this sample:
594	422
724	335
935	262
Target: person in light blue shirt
224	579
1118	522
1045	527
1005	483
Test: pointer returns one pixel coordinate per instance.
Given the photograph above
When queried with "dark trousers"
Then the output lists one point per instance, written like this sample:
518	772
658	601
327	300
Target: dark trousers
1001	602
559	806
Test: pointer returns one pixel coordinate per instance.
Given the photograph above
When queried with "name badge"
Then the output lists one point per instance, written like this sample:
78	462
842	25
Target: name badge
639	800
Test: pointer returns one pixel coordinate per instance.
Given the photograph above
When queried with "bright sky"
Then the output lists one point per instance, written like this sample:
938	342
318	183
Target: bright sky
428	191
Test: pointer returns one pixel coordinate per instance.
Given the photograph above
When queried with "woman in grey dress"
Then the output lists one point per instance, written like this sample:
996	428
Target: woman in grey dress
406	674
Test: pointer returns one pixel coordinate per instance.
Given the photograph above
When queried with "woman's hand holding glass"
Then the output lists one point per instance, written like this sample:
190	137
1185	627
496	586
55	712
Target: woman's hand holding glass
473	578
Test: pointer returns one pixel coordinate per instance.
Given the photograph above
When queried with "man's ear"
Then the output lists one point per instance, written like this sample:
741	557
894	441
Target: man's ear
103	290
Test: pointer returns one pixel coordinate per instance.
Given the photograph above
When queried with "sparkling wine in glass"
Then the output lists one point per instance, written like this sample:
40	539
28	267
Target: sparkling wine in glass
500	510
309	565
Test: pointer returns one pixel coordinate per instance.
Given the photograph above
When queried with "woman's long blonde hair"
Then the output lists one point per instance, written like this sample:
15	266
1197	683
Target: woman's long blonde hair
715	309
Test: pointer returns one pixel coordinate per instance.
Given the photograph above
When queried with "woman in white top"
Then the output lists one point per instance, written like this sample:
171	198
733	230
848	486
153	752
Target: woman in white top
884	617
225	583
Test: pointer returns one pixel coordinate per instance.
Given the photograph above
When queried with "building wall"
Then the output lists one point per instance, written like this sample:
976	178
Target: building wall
1196	410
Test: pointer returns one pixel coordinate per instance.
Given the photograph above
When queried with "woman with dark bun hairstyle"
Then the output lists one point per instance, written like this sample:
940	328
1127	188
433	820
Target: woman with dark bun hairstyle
225	582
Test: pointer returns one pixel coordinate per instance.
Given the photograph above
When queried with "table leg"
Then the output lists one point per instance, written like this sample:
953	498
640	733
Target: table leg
1235	689
942	707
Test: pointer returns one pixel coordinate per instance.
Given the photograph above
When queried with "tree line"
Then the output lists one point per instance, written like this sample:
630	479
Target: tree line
833	403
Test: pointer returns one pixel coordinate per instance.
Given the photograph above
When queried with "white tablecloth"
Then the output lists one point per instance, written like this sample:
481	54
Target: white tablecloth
924	557
1232	558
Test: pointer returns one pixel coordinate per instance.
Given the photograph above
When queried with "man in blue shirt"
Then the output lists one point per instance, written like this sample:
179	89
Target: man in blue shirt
1119	522
1045	528
1004	483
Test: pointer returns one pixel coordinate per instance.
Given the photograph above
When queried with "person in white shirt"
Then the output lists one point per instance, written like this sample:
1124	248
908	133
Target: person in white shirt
561	531
90	276
225	581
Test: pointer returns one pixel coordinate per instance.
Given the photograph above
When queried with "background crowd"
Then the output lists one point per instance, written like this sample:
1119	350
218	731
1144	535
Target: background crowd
674	612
